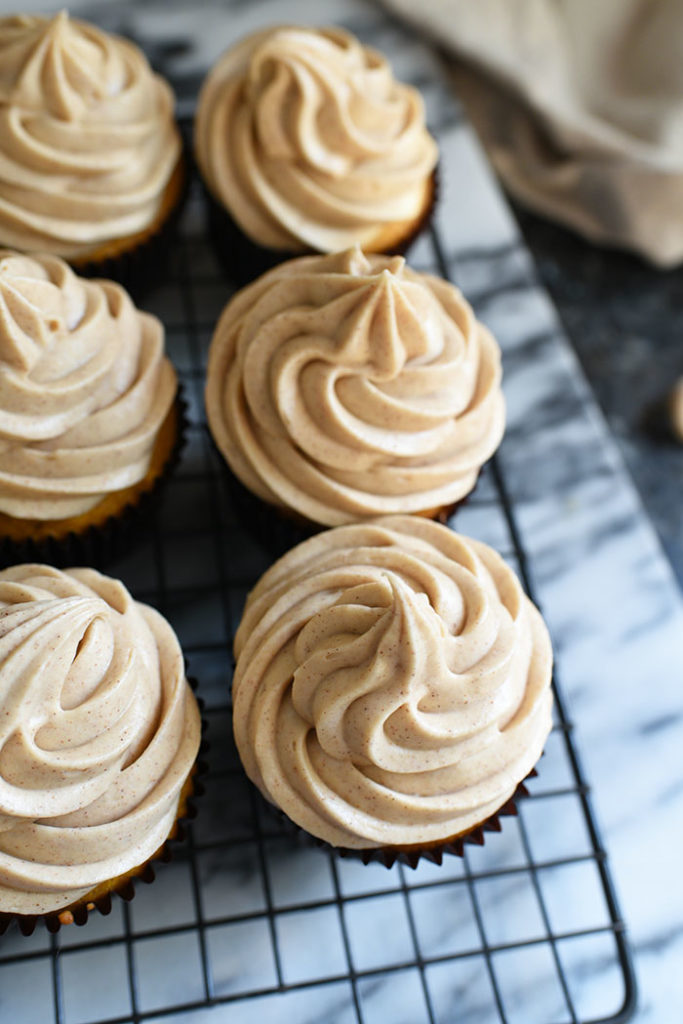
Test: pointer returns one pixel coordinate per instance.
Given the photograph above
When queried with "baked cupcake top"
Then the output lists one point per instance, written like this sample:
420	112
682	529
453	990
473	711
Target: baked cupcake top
98	734
84	388
392	684
349	386
88	141
307	139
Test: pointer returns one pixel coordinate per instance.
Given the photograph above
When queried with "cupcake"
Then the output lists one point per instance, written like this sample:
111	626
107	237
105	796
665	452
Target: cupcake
99	736
347	386
89	419
392	688
307	143
91	164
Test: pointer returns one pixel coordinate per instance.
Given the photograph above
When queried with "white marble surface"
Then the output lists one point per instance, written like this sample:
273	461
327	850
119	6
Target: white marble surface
616	619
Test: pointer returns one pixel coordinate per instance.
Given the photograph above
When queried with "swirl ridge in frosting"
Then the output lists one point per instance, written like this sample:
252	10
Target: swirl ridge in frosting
84	389
98	734
392	684
88	141
349	386
309	141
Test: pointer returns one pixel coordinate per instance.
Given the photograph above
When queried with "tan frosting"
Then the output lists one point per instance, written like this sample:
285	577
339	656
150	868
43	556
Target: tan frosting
87	136
307	139
349	386
392	684
84	388
99	731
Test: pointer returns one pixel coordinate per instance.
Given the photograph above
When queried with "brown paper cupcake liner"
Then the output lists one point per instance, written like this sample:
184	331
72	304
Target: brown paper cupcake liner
100	898
412	855
142	262
279	529
243	260
100	543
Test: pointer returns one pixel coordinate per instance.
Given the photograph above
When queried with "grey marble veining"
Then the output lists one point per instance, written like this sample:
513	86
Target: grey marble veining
615	615
616	619
625	320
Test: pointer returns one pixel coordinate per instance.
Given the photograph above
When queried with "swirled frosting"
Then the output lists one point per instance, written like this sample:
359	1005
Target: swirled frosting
308	140
98	733
349	386
88	141
84	388
392	684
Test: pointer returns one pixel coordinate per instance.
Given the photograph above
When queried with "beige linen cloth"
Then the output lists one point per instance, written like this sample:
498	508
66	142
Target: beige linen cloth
580	106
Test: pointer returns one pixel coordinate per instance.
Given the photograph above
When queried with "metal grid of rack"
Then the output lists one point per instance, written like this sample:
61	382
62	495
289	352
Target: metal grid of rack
247	917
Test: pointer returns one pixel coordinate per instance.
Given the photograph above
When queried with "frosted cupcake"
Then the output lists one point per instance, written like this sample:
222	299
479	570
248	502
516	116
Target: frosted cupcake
89	418
304	137
348	386
91	164
392	688
99	735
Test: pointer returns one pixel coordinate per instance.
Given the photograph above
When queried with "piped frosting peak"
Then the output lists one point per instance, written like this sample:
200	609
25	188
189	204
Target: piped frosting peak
84	388
98	734
87	136
392	684
349	385
309	141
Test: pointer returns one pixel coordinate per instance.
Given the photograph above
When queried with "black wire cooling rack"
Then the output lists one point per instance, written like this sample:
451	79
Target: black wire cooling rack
245	919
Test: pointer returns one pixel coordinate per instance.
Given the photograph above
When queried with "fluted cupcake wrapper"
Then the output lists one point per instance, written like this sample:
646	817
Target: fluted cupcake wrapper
273	528
279	529
100	898
100	543
146	263
243	260
412	855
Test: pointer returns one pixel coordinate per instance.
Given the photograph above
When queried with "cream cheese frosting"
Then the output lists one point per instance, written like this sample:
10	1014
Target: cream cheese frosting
84	388
98	734
307	139
88	141
392	684
349	386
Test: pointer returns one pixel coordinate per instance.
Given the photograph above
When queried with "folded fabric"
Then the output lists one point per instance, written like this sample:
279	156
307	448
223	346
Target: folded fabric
580	107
